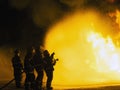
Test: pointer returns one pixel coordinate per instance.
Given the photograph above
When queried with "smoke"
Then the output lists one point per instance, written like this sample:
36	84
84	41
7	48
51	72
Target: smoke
73	3
20	4
43	12
47	12
34	17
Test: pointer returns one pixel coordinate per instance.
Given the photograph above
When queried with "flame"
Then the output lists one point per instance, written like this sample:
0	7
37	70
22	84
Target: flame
115	16
118	17
85	55
105	53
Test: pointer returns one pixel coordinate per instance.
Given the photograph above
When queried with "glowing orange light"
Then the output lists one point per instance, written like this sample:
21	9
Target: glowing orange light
85	56
118	17
111	1
116	24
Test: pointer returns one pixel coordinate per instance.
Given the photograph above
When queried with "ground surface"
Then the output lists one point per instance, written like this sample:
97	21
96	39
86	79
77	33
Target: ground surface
11	86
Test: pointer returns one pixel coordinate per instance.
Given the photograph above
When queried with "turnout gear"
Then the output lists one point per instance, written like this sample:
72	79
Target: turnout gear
38	64
18	68
48	67
29	70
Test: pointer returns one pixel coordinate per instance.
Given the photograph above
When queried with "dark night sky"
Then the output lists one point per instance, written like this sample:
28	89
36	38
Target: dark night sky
24	22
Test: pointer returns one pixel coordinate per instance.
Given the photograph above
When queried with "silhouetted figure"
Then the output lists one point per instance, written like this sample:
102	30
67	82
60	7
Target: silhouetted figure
29	70
38	64
48	67
18	68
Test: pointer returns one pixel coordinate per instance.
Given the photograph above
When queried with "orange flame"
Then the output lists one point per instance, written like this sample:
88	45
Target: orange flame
115	16
105	53
85	56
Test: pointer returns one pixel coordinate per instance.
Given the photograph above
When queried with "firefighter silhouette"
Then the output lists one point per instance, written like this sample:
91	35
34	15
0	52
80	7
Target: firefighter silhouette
29	70
48	67
18	68
38	64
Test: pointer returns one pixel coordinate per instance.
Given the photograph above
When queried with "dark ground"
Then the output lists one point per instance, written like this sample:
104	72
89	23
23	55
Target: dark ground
11	86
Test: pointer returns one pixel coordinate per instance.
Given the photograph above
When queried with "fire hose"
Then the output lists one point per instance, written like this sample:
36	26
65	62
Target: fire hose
1	88
7	84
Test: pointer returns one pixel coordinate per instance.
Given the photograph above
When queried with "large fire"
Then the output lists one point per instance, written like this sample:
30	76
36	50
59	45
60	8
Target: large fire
86	51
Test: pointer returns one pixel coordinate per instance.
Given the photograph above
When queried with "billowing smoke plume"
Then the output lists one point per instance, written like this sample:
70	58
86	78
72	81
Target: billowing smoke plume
46	12
43	12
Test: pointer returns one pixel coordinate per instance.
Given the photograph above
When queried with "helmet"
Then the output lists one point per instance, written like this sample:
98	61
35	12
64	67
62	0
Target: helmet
46	52
30	49
16	51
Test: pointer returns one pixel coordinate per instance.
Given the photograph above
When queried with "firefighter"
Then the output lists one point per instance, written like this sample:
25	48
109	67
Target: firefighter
29	70
18	68
38	64
48	67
